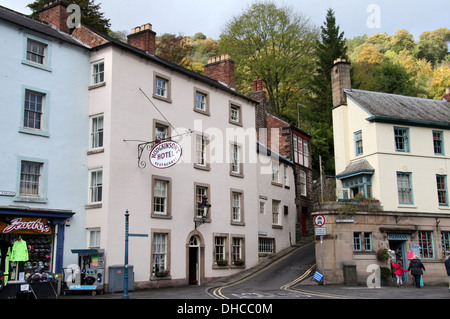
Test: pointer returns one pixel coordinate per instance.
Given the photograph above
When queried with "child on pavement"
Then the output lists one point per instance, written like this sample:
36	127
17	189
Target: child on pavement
399	270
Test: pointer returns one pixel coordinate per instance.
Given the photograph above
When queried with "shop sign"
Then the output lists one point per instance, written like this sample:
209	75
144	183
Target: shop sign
397	236
26	225
165	154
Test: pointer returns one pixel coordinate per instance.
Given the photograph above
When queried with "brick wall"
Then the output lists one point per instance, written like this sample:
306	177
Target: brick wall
143	38
55	13
221	68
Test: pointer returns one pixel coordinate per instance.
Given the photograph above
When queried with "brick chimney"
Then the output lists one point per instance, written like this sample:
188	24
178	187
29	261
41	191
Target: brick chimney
340	80
55	13
221	68
259	95
143	38
447	95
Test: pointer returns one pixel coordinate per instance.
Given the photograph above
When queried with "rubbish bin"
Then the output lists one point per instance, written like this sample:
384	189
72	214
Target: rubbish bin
116	278
350	278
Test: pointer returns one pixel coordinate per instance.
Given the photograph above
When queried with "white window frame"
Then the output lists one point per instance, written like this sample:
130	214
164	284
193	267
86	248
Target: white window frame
96	131
97	75
95	188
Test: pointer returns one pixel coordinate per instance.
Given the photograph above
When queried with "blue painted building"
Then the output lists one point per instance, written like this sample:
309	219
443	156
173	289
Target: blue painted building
44	130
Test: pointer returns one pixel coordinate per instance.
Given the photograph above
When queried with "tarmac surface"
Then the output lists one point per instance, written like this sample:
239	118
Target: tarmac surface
305	289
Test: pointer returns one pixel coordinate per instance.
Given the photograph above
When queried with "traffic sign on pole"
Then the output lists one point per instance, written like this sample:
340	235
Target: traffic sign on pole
319	220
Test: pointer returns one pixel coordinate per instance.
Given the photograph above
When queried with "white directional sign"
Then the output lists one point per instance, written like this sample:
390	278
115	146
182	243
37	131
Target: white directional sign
321	231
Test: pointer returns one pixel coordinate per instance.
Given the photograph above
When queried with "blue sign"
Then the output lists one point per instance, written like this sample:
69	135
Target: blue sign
318	276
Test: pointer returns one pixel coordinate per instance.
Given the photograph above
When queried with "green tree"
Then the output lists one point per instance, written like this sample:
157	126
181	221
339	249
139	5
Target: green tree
330	47
274	44
433	45
90	13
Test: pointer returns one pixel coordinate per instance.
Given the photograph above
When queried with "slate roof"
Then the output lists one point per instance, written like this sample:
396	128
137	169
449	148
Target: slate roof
32	24
392	108
356	168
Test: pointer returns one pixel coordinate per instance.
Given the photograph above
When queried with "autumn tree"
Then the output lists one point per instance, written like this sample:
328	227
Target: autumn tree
90	13
274	44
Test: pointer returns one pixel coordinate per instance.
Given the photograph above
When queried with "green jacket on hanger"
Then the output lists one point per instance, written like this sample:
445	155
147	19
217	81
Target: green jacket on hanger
19	251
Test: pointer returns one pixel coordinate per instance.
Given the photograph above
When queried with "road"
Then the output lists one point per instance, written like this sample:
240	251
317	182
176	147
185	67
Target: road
276	281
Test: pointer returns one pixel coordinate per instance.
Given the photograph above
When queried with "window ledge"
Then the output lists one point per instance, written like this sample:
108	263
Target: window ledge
92	206
26	199
97	85
161	216
37	65
96	151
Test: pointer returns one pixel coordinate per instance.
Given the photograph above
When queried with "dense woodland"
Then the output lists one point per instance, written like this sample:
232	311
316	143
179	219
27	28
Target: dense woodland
293	57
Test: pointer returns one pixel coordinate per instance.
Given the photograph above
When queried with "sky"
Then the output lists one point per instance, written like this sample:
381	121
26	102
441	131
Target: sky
187	17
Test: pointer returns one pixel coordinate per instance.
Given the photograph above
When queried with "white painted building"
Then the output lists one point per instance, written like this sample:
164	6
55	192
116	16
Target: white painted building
393	149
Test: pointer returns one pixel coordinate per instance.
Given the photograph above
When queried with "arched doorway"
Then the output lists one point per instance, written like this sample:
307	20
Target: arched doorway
195	258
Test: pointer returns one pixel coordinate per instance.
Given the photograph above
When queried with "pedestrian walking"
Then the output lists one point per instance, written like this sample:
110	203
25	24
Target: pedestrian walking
398	271
416	267
447	266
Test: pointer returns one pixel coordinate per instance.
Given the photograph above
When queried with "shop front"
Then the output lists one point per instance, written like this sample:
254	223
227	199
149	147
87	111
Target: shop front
31	254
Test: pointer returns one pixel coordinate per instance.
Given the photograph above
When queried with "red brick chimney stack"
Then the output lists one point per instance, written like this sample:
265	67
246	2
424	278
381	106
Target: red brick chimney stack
143	38
221	68
259	95
55	13
447	95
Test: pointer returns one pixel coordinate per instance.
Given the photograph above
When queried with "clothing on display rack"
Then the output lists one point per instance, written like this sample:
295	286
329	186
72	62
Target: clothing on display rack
19	251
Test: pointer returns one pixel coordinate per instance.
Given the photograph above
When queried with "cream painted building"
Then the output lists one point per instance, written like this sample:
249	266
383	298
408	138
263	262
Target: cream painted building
394	149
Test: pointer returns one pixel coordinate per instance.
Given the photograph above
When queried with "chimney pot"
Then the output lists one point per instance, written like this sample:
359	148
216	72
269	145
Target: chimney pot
221	68
143	38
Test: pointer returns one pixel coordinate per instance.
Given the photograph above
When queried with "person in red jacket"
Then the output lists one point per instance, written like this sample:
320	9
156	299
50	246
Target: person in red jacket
399	270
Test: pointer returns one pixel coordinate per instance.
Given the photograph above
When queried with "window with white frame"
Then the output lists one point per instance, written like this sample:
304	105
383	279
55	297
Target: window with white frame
237	247
301	150
30	179
303	183
236	206
36	51
276	206
275	172
441	181
160	196
200	192
96	131
94	237
33	110
95	186
235	114
286	175
262	208
201	103
161	87
404	188
220	248
236	165
200	151
98	72
159	254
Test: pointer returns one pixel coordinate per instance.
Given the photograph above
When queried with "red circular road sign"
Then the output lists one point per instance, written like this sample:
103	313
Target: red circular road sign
319	220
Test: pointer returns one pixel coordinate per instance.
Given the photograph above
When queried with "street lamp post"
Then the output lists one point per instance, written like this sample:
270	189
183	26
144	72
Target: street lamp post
204	204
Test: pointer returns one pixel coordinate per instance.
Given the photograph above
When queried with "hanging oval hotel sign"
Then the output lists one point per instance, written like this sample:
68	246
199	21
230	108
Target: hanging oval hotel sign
165	154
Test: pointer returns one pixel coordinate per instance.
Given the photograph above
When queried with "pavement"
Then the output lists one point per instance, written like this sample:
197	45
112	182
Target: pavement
308	289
